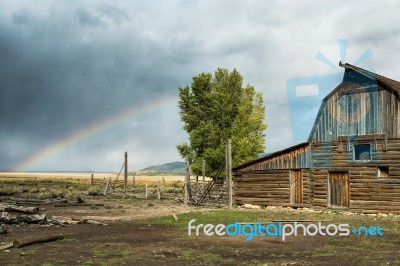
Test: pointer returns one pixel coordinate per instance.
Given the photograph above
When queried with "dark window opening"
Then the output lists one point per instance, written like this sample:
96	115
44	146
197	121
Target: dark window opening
382	172
362	152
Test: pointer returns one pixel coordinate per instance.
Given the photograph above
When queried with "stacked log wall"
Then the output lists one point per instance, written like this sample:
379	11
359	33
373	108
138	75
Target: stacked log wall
269	188
368	192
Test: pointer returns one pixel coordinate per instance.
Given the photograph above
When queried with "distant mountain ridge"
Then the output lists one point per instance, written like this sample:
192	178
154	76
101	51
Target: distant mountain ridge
174	167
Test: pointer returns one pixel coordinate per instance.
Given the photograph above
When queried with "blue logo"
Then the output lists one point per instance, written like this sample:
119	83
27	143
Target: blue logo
305	94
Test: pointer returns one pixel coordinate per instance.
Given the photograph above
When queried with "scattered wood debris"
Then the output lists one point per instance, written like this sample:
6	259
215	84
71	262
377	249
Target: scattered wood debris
9	218
62	220
15	213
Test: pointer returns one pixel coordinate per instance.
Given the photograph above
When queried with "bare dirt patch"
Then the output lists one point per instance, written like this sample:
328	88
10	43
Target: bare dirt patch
143	232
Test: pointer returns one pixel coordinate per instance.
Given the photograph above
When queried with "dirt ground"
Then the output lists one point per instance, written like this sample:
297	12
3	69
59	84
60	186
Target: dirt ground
130	238
143	232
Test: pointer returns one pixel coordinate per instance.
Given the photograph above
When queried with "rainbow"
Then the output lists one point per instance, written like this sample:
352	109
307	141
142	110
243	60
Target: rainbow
92	129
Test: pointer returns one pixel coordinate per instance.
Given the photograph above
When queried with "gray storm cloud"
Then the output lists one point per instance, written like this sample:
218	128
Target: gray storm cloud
65	65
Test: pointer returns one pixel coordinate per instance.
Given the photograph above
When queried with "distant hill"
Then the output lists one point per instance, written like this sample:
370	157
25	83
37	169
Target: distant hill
263	154
169	168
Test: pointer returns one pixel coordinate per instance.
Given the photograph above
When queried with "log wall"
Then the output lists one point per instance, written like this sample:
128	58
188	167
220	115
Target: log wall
256	184
368	191
271	187
363	109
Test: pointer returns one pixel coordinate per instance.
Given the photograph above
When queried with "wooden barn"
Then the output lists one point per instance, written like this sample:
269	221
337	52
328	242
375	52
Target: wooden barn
351	160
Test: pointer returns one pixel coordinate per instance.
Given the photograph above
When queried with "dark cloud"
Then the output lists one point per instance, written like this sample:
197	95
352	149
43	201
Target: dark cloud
87	18
66	65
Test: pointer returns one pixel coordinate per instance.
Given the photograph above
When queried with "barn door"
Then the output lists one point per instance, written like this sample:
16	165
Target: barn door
338	189
296	187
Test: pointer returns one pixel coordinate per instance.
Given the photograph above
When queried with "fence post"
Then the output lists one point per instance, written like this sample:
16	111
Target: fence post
229	173
186	187
126	173
203	172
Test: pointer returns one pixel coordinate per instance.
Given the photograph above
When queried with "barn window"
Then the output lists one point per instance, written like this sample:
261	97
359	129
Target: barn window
382	172
362	152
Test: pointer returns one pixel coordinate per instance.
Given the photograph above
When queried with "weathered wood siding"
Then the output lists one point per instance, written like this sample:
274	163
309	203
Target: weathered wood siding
359	105
270	187
363	109
257	184
367	112
294	159
368	192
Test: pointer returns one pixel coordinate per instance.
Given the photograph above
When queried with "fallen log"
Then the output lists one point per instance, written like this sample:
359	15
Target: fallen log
7	217
4	208
176	219
6	246
21	201
15	208
61	220
23	209
99	218
77	204
95	222
122	194
35	240
89	221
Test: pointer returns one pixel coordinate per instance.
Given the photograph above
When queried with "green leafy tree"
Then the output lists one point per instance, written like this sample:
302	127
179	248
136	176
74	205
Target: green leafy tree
214	109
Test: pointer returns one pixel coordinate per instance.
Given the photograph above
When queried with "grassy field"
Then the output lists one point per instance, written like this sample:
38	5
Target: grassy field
143	232
295	250
84	176
73	185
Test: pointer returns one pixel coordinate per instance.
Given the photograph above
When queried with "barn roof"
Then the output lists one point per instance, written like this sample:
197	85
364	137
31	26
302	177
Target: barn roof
387	82
271	155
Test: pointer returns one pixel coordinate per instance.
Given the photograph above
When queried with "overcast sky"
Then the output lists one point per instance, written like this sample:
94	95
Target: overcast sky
69	65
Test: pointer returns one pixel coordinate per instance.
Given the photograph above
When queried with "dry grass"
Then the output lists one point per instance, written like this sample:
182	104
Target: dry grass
83	177
73	185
